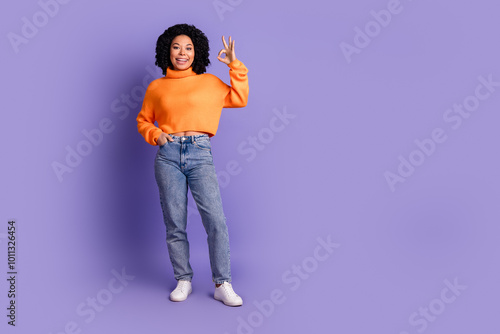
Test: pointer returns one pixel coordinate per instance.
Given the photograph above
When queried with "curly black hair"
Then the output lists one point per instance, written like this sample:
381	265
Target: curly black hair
201	48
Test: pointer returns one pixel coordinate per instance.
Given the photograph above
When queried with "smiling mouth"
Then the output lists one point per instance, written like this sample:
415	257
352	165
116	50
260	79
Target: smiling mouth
182	61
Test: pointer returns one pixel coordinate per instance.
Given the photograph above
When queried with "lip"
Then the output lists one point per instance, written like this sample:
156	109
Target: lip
181	60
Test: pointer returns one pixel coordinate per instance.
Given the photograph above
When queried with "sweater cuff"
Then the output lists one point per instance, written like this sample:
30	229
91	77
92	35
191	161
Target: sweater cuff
235	63
156	135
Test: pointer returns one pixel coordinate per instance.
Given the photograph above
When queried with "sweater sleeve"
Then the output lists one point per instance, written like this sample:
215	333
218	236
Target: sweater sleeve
237	96
146	119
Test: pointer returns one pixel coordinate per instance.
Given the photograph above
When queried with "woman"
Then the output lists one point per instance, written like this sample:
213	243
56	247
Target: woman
187	103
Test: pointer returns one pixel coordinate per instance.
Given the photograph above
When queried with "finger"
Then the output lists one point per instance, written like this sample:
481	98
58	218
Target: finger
223	60
224	41
229	41
222	52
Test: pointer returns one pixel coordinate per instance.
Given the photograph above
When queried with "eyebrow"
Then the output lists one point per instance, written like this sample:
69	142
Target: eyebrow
179	44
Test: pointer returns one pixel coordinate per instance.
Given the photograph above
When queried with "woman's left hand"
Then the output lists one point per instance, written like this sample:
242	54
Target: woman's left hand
228	51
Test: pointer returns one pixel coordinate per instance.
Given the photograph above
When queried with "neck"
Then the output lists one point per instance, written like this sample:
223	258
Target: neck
177	74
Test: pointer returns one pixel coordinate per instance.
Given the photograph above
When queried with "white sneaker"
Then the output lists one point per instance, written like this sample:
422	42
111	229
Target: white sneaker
226	294
181	292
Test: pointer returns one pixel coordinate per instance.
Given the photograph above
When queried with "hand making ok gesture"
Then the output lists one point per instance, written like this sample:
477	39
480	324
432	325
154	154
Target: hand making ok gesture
228	51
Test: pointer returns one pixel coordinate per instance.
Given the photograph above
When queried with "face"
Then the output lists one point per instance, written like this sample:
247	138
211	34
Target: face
181	52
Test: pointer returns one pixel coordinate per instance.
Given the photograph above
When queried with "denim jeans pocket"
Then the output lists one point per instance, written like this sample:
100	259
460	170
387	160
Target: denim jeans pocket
162	146
203	143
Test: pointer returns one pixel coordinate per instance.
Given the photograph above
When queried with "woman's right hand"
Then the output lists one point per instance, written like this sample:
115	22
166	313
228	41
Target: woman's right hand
163	138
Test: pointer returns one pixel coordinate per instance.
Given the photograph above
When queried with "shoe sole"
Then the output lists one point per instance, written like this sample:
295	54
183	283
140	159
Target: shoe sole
180	300
215	297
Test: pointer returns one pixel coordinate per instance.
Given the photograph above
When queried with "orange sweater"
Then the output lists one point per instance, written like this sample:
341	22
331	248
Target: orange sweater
186	101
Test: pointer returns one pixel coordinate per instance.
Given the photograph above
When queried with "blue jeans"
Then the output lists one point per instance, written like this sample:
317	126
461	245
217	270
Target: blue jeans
187	161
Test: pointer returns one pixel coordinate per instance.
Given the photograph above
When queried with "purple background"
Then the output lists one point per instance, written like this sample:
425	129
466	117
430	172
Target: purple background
321	175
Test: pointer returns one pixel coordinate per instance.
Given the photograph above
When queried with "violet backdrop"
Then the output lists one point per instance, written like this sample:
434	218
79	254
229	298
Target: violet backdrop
360	183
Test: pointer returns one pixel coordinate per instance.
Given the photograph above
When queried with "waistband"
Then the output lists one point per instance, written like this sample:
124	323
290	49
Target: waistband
189	139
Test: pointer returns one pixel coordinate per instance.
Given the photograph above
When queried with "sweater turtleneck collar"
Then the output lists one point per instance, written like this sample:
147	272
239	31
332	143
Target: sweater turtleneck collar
175	74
